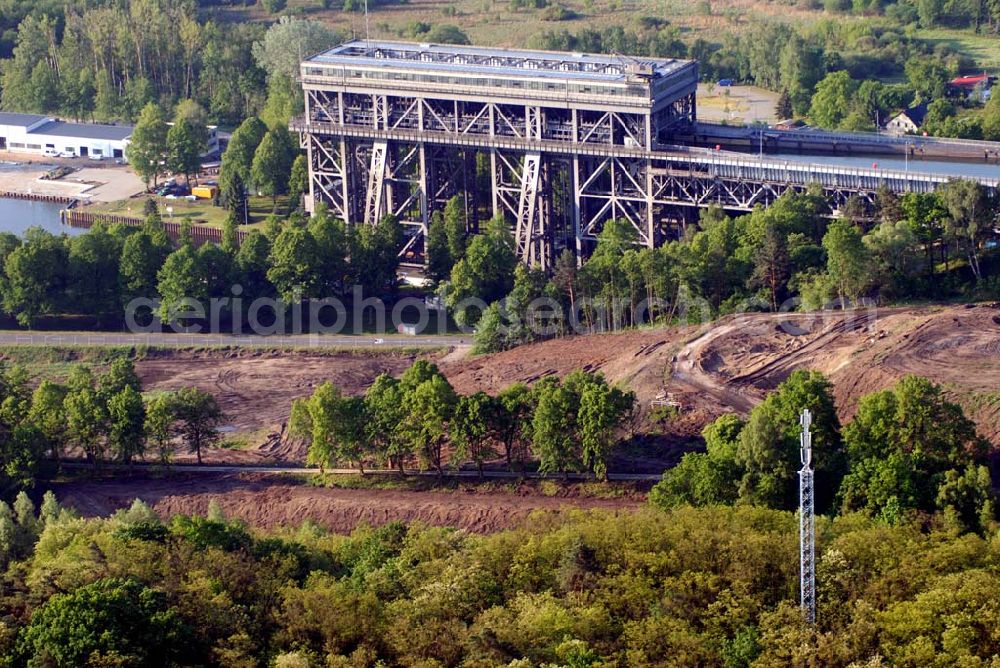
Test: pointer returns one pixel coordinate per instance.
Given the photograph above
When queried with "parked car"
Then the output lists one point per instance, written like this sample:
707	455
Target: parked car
96	156
50	153
67	154
175	189
725	82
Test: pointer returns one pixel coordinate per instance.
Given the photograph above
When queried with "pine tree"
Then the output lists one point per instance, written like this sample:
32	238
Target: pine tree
230	237
455	228
234	197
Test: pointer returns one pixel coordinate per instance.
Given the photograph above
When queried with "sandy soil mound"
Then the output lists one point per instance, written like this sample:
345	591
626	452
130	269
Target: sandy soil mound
270	501
640	360
863	352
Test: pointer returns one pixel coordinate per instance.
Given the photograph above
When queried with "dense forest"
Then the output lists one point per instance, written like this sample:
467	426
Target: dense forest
106	60
712	587
98	273
785	257
833	72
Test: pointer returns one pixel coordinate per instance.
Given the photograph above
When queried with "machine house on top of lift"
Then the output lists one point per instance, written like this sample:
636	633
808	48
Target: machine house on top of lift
554	142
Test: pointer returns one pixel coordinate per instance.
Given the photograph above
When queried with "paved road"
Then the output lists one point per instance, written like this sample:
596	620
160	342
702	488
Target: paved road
293	470
170	339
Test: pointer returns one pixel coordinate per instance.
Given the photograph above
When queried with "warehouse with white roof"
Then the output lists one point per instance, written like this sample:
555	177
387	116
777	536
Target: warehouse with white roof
31	133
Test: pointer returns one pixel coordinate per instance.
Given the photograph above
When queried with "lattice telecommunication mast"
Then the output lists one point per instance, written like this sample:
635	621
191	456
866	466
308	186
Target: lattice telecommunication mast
807	523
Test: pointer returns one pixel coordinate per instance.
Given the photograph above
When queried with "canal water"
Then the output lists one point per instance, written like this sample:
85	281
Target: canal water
17	215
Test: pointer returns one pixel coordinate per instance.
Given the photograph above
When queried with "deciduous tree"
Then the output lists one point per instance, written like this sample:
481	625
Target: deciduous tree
334	425
471	428
198	418
428	412
147	148
126	425
847	259
185	144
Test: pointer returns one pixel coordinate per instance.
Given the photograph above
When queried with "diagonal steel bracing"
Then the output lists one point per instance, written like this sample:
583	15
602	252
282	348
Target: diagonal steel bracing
555	155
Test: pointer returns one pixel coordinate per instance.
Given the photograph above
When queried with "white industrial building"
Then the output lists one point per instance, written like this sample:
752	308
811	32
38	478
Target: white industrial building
30	133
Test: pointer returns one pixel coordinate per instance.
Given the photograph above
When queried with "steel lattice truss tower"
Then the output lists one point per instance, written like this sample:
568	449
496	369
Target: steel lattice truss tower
556	143
807	523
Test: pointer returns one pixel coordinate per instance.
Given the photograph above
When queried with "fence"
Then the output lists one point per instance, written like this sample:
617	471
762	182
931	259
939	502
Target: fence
200	234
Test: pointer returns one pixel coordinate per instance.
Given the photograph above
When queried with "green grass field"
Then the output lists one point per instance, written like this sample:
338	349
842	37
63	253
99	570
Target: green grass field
201	211
985	49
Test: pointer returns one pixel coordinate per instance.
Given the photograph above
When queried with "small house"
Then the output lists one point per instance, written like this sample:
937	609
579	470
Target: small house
907	121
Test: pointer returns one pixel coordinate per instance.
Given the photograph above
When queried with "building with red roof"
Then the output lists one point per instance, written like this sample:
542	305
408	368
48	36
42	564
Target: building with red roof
983	80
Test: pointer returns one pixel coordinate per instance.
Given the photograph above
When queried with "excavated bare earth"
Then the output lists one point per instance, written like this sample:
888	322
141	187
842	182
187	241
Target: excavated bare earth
727	367
255	390
738	361
271	501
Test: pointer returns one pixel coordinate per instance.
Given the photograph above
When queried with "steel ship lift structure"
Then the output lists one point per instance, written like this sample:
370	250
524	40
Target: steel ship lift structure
556	143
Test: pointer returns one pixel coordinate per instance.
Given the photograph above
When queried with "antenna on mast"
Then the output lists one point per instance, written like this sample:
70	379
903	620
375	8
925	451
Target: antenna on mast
807	523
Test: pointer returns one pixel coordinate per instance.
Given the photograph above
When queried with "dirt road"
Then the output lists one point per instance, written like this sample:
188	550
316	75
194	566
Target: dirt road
689	374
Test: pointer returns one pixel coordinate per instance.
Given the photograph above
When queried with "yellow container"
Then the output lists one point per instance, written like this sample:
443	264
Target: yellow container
204	192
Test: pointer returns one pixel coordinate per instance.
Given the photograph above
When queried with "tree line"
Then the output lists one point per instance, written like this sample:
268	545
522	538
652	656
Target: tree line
567	425
833	72
907	451
921	245
96	274
918	246
842	102
103	417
